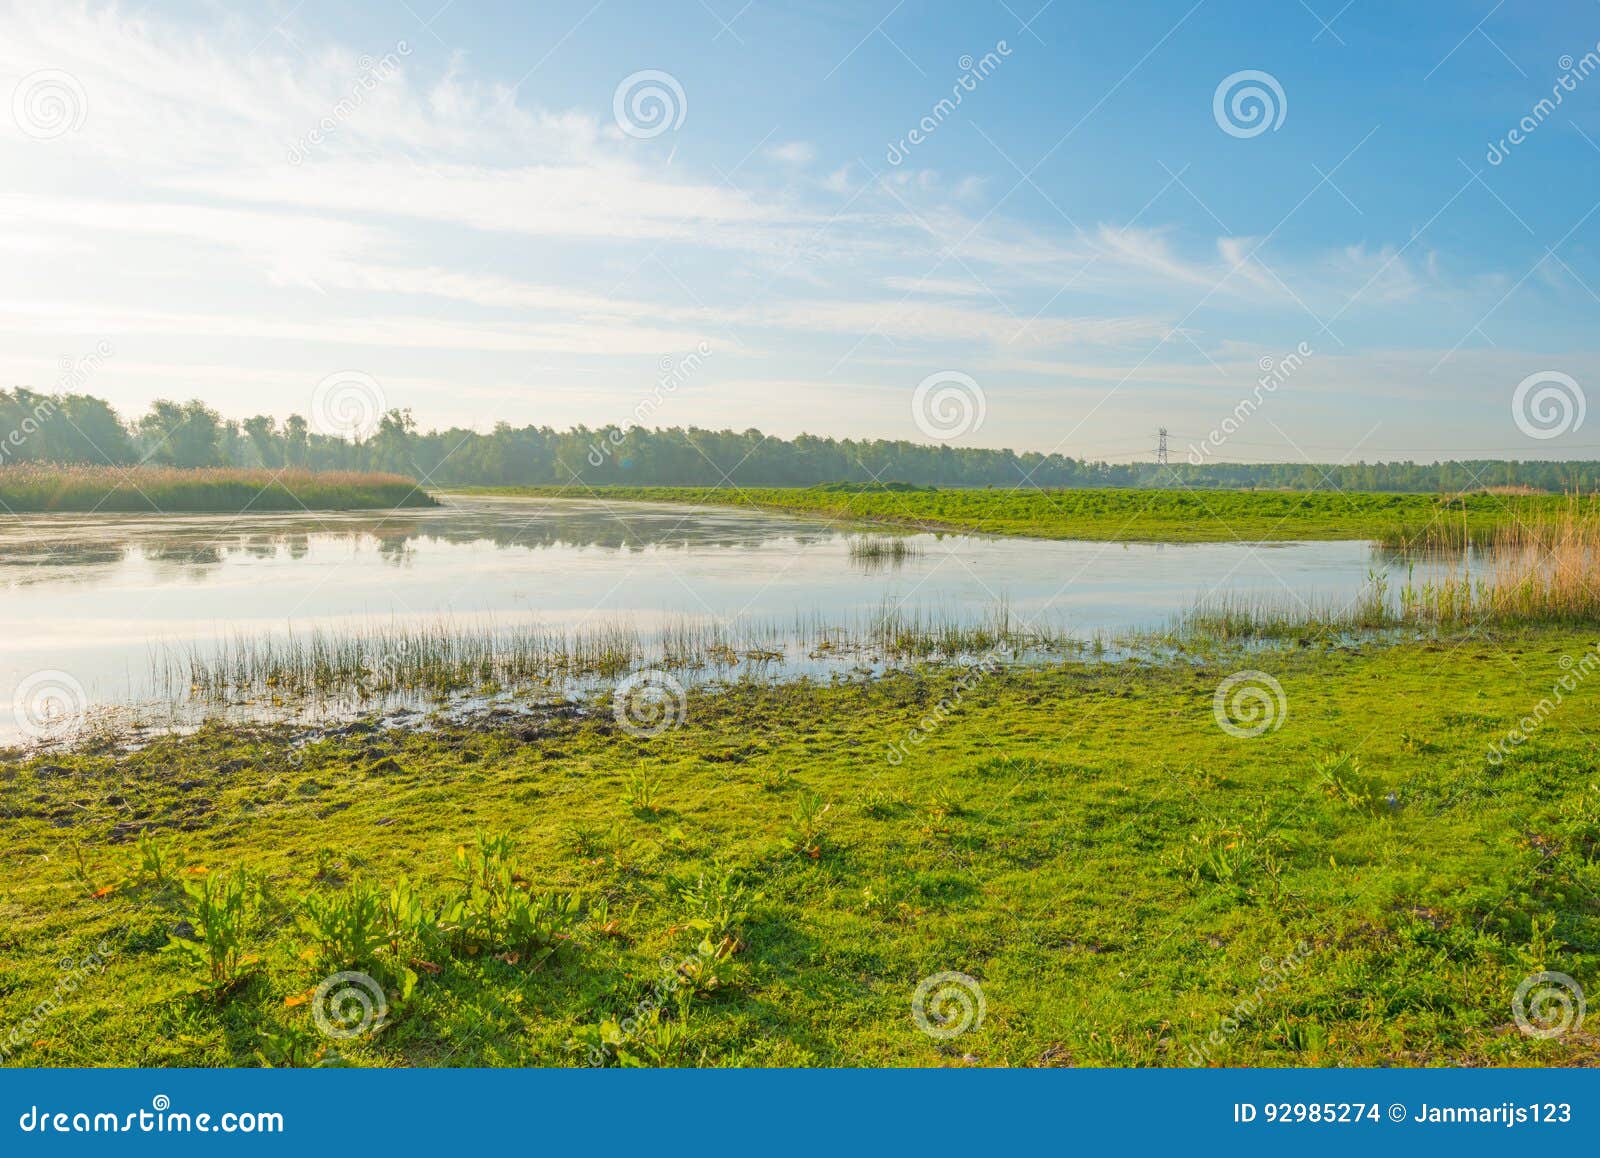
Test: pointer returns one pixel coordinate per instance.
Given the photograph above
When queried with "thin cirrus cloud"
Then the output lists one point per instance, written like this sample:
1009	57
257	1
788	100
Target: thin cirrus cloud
201	205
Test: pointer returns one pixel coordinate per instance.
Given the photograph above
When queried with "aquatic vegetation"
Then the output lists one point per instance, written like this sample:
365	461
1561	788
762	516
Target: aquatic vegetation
42	487
881	552
1545	571
443	657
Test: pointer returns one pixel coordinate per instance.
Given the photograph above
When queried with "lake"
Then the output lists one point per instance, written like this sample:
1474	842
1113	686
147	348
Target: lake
112	603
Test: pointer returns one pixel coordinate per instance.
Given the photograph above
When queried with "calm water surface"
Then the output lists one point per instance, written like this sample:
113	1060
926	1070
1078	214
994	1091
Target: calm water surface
102	597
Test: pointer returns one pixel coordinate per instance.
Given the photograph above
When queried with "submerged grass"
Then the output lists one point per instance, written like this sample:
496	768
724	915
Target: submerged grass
445	657
33	488
764	886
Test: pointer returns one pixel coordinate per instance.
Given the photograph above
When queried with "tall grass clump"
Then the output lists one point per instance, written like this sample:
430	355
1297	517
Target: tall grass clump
43	487
882	550
1541	570
1493	520
440	658
372	663
1545	570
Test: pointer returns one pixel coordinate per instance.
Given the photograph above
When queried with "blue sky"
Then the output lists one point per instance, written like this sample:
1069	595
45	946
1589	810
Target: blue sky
444	205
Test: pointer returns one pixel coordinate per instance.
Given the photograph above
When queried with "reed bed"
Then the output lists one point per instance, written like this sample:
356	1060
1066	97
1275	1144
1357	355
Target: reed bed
43	487
1554	579
1545	570
1509	522
443	658
883	549
378	662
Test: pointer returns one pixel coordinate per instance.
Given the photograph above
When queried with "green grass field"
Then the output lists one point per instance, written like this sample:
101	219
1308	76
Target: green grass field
1164	515
32	489
1126	882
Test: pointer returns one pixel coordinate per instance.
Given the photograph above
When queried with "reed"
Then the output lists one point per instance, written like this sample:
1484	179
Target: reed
1543	570
442	658
1550	576
43	487
883	548
1461	523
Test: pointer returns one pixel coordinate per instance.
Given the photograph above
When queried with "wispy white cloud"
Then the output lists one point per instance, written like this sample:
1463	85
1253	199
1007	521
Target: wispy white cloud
316	206
794	153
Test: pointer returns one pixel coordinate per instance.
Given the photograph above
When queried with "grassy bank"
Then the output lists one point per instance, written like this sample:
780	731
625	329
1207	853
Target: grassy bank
1124	880
33	489
1411	520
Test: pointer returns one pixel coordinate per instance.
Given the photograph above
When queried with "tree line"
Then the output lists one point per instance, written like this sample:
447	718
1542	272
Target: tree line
79	428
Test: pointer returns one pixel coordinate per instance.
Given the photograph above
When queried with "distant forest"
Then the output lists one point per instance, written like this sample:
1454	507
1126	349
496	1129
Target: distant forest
78	428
